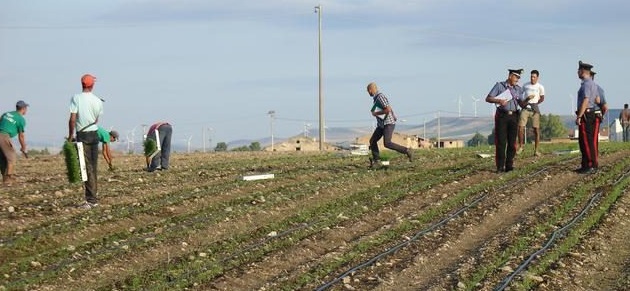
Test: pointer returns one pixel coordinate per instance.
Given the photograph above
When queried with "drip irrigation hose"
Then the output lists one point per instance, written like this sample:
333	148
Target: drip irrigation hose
556	234
419	234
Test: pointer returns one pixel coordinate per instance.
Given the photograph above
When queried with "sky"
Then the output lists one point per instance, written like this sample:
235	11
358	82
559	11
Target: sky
216	68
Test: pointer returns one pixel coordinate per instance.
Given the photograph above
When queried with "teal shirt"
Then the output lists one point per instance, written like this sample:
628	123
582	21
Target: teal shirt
12	123
103	135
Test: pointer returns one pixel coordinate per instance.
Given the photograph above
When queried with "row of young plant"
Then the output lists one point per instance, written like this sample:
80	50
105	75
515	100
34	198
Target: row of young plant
88	219
40	246
212	170
267	247
362	249
531	236
229	254
581	229
295	169
296	187
155	200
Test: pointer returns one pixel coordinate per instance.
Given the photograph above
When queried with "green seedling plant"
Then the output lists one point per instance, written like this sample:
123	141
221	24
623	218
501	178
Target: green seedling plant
71	155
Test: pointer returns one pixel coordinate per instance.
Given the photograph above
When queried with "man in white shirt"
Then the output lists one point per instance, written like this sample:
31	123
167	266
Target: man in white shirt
534	94
85	109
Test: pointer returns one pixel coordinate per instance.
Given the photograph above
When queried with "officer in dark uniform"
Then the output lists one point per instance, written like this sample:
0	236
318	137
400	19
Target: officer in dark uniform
587	119
506	96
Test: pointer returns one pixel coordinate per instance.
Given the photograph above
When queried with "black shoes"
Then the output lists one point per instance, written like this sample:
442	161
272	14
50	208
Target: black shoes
374	163
586	171
505	170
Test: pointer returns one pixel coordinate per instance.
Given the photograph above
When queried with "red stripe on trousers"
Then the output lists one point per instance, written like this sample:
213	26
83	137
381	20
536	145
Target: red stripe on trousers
585	141
595	141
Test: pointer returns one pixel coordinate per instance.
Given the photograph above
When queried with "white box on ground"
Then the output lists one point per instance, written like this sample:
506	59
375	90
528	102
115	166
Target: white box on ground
484	156
385	163
258	177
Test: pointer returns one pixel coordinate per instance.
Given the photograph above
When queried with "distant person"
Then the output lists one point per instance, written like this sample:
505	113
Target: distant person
587	119
160	161
12	123
106	138
624	118
385	124
534	95
506	95
85	109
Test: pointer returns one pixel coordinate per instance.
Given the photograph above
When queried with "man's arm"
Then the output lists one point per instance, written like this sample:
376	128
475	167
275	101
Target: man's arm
582	110
385	110
107	155
524	102
22	140
71	124
542	99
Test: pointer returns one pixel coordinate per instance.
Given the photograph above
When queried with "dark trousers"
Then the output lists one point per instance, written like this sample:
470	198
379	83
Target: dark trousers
589	141
626	132
90	149
386	133
506	130
165	131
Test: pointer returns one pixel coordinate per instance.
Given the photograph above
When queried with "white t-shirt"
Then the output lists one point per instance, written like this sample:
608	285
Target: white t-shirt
533	89
88	108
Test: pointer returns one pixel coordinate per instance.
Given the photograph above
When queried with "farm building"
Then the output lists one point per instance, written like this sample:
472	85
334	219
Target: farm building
301	143
401	139
451	143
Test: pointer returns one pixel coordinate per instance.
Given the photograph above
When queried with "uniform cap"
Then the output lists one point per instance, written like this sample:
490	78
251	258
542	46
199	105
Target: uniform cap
517	72
584	66
114	134
88	80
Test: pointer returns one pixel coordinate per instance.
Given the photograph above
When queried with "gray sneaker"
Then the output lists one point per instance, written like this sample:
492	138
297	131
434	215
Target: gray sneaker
410	155
87	205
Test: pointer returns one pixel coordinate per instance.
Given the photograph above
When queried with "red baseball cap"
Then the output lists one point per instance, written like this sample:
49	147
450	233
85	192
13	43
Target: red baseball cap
88	80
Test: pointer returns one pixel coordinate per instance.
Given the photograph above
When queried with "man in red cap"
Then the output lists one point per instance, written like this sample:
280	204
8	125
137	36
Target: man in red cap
85	109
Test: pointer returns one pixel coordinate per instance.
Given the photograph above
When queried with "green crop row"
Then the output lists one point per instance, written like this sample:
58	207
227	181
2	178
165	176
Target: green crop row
322	215
523	242
360	249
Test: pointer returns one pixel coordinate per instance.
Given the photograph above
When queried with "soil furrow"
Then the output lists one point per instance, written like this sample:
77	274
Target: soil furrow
468	234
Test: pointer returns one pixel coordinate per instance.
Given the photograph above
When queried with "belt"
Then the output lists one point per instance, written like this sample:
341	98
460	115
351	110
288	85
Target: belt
508	112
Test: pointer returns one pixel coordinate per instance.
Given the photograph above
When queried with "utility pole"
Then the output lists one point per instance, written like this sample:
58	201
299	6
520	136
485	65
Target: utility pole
459	106
272	115
438	129
322	137
424	131
210	130
203	137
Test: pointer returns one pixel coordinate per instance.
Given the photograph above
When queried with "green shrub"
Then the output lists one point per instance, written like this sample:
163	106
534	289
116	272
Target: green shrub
73	169
150	146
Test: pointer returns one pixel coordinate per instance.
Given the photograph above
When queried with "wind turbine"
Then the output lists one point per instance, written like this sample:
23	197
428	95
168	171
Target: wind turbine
459	106
475	100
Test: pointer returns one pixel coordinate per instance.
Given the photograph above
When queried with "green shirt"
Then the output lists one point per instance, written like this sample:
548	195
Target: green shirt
103	135
12	123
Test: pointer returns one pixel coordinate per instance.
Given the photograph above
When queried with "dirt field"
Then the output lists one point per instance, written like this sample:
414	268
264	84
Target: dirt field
446	221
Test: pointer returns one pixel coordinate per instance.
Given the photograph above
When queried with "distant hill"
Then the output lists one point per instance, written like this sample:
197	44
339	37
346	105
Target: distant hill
449	127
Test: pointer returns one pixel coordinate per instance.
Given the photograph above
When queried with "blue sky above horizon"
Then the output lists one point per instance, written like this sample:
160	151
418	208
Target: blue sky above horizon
224	64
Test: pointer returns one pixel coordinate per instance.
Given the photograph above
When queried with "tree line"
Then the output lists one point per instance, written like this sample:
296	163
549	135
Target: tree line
254	146
551	126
